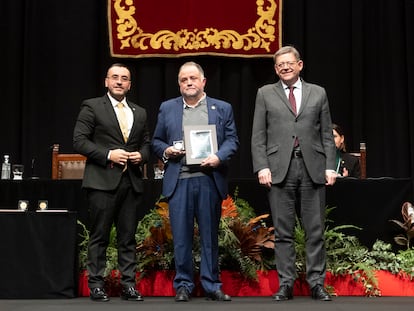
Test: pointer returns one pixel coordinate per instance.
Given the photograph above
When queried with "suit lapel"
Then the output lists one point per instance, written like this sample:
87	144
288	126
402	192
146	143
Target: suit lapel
281	93
211	110
177	115
110	112
135	118
305	96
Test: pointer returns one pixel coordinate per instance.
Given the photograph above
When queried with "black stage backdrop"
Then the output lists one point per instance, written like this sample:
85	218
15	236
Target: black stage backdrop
54	54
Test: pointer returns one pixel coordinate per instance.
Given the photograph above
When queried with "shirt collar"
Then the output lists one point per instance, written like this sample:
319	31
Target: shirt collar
200	102
297	84
115	102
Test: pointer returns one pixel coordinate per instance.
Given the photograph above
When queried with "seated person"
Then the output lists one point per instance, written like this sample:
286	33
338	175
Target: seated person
347	165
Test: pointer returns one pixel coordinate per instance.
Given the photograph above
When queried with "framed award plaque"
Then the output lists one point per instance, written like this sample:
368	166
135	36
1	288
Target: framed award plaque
200	141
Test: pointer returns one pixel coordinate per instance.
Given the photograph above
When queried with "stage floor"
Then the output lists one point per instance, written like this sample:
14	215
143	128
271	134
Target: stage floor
238	303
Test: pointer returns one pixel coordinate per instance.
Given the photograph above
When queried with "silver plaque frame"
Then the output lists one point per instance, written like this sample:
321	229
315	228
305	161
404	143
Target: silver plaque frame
200	142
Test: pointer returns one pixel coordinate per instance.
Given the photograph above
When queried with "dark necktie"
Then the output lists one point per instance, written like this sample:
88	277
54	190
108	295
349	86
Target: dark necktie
292	101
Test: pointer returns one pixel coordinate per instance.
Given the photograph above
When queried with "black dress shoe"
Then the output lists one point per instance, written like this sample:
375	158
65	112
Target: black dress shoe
218	295
285	292
182	295
130	293
98	294
319	293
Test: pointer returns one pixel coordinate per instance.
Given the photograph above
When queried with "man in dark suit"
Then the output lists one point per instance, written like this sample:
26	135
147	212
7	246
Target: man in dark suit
195	191
293	154
112	133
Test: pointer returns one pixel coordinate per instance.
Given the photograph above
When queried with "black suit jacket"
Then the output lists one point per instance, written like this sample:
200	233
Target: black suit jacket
97	131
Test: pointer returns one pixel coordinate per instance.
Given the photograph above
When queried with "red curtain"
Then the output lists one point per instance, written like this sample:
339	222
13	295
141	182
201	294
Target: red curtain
146	28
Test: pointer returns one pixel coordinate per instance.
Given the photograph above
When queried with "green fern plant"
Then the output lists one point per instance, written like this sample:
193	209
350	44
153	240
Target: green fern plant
111	252
246	245
381	257
405	260
344	254
83	245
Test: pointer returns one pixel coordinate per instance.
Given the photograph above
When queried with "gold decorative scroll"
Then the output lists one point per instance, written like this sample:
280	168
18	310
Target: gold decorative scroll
130	37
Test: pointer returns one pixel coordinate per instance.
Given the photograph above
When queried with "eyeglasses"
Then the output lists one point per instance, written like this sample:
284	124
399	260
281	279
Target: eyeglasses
116	78
289	64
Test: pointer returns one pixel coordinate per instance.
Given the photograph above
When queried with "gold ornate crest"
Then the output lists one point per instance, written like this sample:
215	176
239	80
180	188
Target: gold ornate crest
132	39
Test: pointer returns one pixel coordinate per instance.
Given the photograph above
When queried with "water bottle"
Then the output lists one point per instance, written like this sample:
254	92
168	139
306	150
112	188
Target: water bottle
5	168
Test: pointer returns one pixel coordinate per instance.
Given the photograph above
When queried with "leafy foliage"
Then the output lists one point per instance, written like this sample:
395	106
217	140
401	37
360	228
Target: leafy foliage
407	226
242	238
344	255
83	245
406	262
111	251
246	244
154	239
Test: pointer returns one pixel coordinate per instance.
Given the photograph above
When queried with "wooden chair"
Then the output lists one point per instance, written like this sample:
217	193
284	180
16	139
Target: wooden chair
67	165
362	156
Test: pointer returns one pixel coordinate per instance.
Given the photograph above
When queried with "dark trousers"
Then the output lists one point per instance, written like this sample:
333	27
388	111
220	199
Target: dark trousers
299	193
196	198
119	207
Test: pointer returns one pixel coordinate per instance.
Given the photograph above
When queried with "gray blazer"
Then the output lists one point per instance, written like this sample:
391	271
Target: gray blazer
275	127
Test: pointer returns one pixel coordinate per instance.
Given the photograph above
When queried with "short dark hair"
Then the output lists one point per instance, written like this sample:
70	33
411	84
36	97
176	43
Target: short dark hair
340	132
119	65
122	66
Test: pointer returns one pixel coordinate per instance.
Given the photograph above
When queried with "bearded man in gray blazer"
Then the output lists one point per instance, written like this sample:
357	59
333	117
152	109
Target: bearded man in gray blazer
293	154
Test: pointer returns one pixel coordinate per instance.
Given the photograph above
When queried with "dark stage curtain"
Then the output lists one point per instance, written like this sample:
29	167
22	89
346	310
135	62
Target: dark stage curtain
56	53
